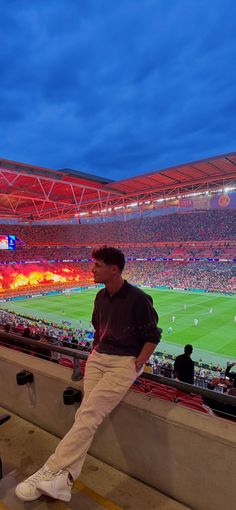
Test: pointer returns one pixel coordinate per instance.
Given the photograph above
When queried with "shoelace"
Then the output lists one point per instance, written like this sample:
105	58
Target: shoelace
53	477
39	475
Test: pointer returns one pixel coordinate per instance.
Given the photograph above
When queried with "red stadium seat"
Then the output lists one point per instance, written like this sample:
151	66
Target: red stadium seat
163	388
138	388
195	400
180	394
66	362
194	406
161	395
82	365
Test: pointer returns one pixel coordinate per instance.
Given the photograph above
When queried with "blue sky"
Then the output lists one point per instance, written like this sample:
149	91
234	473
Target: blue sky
117	88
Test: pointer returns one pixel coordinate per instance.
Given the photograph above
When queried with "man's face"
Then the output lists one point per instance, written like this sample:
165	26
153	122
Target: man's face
103	273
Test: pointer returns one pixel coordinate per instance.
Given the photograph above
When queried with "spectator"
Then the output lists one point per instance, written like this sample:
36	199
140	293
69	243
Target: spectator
26	332
229	374
184	366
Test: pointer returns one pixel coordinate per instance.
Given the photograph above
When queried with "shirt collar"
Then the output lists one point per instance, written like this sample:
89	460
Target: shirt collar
121	293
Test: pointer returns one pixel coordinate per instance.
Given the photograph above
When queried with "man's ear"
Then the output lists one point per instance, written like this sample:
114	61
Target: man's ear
114	269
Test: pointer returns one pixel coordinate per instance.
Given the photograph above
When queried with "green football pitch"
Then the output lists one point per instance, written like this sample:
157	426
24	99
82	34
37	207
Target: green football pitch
213	339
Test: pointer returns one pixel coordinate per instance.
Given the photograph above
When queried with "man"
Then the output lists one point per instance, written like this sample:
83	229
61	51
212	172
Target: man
184	366
229	374
126	334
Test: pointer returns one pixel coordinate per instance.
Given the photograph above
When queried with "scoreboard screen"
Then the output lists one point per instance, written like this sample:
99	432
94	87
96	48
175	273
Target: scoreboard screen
7	242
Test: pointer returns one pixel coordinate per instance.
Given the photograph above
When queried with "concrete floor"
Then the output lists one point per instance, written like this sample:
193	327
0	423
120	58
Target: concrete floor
25	447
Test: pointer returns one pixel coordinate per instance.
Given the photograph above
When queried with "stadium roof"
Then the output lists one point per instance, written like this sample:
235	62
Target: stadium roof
29	192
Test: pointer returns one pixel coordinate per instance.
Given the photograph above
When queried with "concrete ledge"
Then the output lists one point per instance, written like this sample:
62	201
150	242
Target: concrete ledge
100	486
185	454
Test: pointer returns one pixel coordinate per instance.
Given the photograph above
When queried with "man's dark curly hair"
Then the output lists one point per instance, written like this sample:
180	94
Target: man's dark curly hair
110	255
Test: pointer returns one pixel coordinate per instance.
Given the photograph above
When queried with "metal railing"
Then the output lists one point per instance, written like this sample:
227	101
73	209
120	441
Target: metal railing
14	340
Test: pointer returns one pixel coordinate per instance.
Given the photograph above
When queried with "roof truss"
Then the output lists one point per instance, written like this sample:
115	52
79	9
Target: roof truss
34	193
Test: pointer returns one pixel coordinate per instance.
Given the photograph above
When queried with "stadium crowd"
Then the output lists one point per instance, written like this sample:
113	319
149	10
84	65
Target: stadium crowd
55	253
58	334
187	226
209	277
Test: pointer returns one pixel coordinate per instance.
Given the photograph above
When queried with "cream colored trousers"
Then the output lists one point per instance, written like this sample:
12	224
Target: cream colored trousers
106	381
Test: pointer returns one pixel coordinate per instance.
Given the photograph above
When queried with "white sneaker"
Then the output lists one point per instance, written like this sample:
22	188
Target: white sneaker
27	490
57	485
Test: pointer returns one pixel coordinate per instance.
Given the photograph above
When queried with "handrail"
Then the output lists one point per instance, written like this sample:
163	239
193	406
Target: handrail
46	345
77	355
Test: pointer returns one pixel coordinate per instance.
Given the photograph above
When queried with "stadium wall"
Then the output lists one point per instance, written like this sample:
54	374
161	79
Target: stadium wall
182	453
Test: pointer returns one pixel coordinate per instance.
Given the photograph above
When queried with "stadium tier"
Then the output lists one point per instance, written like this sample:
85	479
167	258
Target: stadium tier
213	225
194	250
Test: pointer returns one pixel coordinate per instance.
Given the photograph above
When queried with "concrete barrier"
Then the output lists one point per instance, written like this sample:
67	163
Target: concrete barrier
185	454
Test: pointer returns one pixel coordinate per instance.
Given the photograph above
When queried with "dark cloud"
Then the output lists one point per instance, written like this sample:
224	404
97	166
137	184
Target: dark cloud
117	88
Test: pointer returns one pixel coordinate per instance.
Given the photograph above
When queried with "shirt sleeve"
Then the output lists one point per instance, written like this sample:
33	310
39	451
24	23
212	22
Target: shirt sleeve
228	374
192	372
95	323
176	366
146	319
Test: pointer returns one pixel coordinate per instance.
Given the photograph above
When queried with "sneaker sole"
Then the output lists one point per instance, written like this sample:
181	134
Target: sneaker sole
26	498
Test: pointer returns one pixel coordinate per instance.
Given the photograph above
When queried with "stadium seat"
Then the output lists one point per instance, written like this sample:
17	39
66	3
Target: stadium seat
82	365
188	400
66	362
138	388
161	395
195	399
195	406
180	394
163	388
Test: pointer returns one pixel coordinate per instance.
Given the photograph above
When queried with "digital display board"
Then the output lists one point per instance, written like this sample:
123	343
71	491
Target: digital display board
7	242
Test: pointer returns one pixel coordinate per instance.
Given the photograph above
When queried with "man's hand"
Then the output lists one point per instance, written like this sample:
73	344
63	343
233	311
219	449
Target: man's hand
139	364
144	355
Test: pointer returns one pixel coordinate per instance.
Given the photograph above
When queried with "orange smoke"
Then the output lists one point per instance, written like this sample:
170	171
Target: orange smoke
22	276
35	278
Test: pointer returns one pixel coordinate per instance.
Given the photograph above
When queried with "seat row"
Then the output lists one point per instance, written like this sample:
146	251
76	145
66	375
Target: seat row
170	394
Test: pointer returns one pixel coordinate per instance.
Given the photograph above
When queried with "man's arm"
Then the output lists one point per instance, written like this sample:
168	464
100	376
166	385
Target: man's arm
95	323
176	366
144	355
227	372
192	372
146	320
